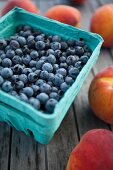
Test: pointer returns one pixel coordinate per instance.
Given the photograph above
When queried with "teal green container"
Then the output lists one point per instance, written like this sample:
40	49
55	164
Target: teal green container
21	115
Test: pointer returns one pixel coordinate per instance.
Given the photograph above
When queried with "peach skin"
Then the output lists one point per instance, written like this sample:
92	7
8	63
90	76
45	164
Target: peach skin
64	14
101	95
25	4
102	23
94	152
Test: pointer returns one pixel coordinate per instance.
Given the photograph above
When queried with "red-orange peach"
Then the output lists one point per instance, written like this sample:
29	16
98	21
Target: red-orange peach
25	4
79	2
65	14
101	95
94	152
102	23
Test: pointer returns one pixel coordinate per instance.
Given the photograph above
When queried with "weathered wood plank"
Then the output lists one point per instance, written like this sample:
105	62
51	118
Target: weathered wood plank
63	142
4	146
26	154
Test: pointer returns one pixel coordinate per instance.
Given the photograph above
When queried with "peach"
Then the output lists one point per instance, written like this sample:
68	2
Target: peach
79	2
25	4
64	14
101	95
102	23
94	152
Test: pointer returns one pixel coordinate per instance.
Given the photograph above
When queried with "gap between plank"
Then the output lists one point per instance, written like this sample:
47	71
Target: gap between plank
10	146
76	123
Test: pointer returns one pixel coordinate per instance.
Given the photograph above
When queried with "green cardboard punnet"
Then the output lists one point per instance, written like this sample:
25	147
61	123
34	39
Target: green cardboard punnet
21	115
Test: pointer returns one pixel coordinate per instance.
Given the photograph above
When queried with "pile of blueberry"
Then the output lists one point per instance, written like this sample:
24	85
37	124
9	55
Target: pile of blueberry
37	68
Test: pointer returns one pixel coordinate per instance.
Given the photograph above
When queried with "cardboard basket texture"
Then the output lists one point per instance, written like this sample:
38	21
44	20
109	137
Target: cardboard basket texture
21	115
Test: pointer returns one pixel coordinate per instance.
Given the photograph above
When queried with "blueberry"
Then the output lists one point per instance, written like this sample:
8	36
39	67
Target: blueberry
1	52
34	69
50	105
14	44
62	59
50	51
73	72
7	48
35	103
26	49
26	33
56	46
69	80
45	88
13	93
51	77
14	78
41	53
79	51
27	71
57	53
51	59
44	75
39	38
44	58
6	86
23	78
19	85
64	45
17	69
42	97
39	64
71	60
84	59
86	48
31	43
1	69
63	65
80	43
47	67
3	56
54	95
58	79
55	67
28	91
1	80
47	45
19	52
78	64
31	37
34	54
87	54
3	44
23	97
35	89
64	87
17	59
32	63
21	40
54	89
40	45
19	28
26	59
39	82
61	71
56	38
50	83
71	42
10	53
6	73
6	62
26	28
70	51
32	77
37	72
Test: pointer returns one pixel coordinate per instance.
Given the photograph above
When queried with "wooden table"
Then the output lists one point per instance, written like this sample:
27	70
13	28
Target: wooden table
20	152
